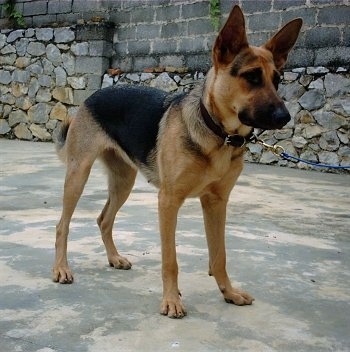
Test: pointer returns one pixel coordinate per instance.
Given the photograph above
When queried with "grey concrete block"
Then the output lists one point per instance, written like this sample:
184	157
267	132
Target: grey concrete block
321	37
200	26
287	4
119	16
266	21
143	14
332	57
193	45
226	6
258	38
140	63
172	60
320	2
302	57
162	46
80	49
334	15
59	6
68	17
79	95
92	31
96	65
43	20
307	14
121	48
125	63
130	4
35	8
346	36
201	62
140	47
93	82
87	6
167	13
53	7
250	6
100	48
174	29
196	9
126	33
148	31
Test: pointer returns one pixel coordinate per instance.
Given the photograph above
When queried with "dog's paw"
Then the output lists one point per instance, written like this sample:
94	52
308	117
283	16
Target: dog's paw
119	262
173	308
62	275
238	297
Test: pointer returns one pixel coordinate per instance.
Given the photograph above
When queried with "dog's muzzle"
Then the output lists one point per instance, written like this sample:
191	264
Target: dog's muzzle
268	119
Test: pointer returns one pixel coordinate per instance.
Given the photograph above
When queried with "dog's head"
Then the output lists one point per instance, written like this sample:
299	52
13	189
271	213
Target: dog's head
242	85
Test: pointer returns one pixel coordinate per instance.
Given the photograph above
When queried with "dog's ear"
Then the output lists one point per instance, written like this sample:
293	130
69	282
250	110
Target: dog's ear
231	39
283	41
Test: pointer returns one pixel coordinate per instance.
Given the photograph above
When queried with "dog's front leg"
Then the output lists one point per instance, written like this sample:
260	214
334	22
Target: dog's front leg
168	207
214	212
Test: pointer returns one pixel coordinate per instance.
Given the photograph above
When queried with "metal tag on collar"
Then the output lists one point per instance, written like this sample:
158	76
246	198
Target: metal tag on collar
235	140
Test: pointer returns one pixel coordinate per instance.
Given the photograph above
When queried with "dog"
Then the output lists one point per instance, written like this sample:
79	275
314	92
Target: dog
187	145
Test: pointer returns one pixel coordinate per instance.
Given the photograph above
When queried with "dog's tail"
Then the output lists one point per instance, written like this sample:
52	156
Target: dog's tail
61	137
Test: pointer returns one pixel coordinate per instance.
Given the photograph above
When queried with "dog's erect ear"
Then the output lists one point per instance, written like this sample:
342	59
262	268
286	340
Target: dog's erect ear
231	39
283	41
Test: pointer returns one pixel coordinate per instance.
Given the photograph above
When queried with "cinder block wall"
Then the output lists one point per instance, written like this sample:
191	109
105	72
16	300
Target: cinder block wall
180	33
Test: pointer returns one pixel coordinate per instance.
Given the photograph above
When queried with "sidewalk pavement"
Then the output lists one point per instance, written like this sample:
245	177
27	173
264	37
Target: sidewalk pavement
288	244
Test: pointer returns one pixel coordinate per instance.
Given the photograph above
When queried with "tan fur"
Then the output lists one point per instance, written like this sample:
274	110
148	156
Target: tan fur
208	171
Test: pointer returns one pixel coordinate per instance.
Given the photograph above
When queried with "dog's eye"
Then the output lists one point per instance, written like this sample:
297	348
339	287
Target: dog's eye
276	80
253	77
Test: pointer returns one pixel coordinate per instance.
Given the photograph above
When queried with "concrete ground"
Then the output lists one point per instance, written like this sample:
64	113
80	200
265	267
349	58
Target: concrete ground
288	244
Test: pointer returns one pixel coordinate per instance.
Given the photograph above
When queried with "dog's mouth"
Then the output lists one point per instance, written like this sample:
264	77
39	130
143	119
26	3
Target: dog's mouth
271	119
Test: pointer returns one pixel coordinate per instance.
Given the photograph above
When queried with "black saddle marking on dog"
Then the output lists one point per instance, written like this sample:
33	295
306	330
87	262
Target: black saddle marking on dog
130	115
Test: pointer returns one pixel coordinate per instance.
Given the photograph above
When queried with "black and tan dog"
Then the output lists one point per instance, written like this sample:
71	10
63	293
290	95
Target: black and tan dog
188	145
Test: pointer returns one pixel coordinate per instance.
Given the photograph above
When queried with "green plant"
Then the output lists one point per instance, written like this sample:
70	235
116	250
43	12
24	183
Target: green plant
214	10
15	17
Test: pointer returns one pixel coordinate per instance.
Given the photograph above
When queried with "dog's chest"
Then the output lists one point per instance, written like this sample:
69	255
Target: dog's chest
222	163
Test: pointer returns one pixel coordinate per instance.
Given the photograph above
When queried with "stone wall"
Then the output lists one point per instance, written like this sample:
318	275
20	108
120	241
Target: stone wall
180	33
45	73
317	99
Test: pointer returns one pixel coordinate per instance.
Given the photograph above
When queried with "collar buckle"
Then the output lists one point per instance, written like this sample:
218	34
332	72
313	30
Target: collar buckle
235	140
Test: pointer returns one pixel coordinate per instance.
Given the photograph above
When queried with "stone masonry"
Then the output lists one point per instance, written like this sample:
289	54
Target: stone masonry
46	73
318	101
180	33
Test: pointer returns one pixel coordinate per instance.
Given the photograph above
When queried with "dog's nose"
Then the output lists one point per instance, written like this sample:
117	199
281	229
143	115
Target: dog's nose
280	116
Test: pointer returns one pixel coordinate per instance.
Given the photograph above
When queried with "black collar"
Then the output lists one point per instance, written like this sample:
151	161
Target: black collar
234	140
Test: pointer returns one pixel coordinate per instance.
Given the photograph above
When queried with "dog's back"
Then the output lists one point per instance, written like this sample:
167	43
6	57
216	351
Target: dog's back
129	115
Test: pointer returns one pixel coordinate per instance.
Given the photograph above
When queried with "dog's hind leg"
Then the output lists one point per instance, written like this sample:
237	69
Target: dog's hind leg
78	170
121	178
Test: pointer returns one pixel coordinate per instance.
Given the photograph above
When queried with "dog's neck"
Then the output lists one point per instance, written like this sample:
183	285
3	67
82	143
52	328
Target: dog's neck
234	140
